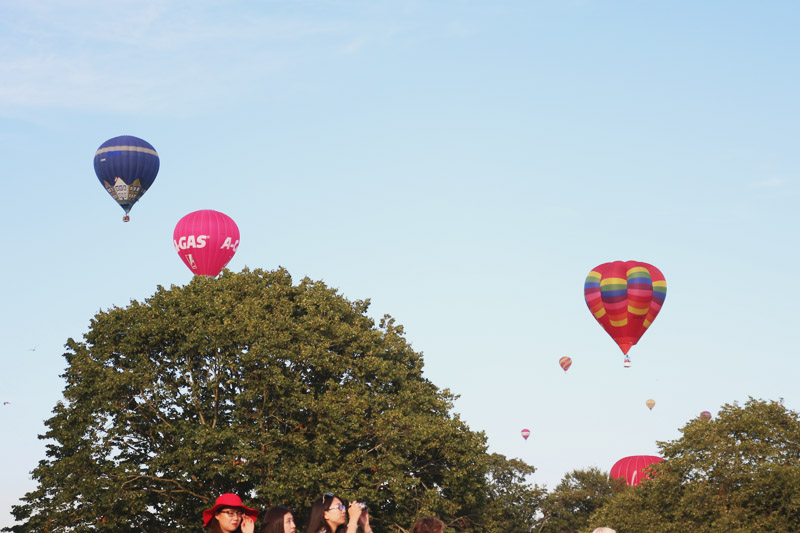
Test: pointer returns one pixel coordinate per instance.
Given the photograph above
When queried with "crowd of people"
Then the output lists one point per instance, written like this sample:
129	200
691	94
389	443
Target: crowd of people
329	514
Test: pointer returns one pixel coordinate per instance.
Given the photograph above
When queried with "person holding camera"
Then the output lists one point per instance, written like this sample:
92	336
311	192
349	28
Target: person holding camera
329	514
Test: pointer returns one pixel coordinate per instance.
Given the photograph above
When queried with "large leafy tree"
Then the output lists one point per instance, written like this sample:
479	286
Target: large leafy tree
513	504
251	384
739	472
571	503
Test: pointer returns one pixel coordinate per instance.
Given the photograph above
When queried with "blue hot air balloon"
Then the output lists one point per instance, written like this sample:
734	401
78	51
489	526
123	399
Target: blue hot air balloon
126	166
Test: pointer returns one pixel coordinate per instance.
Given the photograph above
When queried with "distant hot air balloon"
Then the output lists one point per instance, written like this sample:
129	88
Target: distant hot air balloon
526	433
631	468
126	166
565	363
705	415
206	241
650	404
625	297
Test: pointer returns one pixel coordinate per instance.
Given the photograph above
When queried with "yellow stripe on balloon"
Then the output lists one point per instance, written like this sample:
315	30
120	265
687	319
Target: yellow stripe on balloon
647	323
613	281
638	310
618	323
601	313
127	149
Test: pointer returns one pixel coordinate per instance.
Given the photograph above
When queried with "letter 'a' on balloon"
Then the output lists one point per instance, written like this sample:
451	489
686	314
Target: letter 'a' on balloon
525	433
565	363
206	241
126	166
625	297
631	469
650	404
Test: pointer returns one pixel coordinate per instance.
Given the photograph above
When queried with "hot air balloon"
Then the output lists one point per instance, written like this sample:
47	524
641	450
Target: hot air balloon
650	404
705	415
625	297
126	166
526	433
565	363
631	468
206	241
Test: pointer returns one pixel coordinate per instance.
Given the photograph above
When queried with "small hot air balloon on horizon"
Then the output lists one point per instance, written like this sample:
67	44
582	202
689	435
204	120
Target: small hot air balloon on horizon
631	468
126	167
625	297
705	415
650	404
525	433
206	241
565	363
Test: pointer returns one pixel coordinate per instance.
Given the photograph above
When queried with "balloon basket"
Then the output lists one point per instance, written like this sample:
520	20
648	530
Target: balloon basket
126	218
627	363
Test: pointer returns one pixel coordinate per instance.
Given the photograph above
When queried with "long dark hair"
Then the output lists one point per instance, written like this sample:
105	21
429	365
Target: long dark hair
273	520
316	522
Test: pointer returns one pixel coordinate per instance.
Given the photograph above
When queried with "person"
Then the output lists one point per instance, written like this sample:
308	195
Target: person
329	515
428	524
604	530
230	515
278	519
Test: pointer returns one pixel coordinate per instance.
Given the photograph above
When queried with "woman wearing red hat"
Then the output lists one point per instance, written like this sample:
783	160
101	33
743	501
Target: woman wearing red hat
229	515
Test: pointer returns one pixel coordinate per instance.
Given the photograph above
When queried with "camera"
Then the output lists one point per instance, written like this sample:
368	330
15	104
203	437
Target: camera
364	507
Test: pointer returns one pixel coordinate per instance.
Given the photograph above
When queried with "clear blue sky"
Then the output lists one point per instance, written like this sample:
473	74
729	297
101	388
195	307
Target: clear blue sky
463	164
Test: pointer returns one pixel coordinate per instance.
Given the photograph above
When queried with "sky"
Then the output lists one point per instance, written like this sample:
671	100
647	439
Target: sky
462	164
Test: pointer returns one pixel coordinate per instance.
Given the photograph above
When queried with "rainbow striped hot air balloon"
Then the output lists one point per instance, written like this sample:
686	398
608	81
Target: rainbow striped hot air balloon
565	363
625	297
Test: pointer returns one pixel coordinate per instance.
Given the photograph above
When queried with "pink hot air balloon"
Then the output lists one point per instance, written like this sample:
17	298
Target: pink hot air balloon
565	363
705	415
526	433
630	468
206	241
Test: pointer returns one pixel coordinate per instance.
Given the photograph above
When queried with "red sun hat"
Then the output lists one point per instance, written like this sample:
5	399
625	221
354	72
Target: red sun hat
227	500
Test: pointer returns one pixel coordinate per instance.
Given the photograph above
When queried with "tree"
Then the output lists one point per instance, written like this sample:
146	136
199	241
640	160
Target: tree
575	498
250	384
513	504
739	472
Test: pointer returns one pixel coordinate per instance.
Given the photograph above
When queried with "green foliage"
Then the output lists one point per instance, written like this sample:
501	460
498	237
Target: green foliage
513	504
575	498
250	384
739	472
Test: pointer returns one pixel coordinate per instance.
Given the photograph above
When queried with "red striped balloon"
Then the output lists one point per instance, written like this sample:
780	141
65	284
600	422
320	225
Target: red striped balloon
206	241
631	468
625	298
565	363
525	433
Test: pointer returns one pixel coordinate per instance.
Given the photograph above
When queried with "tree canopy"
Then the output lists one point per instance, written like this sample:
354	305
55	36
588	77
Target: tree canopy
579	493
739	472
276	391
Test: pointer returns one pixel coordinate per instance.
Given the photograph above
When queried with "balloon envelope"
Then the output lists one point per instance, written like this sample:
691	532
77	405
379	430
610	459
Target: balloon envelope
625	297
126	166
631	468
565	363
526	433
650	404
206	241
705	415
